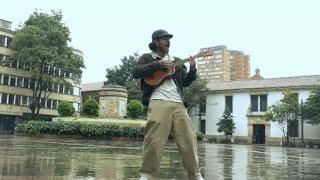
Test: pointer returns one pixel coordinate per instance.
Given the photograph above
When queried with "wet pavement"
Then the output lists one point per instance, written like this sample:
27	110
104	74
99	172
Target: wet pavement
39	158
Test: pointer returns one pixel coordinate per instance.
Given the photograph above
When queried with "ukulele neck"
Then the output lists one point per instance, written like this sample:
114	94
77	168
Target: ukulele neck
179	63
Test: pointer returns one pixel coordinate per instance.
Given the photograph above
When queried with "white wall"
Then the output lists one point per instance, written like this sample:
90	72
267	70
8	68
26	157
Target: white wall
214	109
241	103
274	97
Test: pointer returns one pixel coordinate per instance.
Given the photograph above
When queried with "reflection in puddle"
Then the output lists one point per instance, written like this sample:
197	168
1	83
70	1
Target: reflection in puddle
36	158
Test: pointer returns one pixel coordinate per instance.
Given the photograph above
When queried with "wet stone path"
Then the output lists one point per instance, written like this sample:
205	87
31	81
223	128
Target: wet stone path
39	158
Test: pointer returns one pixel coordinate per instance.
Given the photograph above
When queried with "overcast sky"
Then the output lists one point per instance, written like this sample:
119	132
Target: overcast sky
282	37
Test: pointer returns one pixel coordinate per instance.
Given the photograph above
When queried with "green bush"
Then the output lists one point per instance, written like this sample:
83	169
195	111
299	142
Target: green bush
135	109
212	139
85	128
225	141
88	129
66	109
200	136
90	108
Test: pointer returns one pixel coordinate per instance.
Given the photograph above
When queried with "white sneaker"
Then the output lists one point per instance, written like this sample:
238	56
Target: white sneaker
201	178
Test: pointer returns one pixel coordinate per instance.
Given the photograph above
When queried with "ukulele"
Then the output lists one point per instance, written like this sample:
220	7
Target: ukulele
158	77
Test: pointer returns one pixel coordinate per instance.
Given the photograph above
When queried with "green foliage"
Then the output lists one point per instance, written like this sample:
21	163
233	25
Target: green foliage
40	42
312	108
197	93
226	123
122	75
81	128
85	128
66	109
90	108
225	141
212	139
200	136
284	112
134	109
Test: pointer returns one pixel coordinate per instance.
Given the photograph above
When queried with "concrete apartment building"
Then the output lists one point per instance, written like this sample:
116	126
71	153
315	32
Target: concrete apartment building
224	65
16	86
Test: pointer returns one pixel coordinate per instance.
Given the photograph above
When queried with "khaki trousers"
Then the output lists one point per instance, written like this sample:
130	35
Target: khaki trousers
163	117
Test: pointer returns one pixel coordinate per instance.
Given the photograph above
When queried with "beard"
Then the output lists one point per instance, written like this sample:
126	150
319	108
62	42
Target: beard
164	49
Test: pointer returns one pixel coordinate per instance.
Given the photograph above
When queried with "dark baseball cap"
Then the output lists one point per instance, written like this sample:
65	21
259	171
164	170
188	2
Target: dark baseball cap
160	33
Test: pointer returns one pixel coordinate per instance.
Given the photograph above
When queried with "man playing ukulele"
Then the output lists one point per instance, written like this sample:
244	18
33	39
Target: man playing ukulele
167	108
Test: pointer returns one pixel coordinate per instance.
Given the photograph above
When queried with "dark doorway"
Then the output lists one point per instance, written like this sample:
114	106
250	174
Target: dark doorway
258	134
293	128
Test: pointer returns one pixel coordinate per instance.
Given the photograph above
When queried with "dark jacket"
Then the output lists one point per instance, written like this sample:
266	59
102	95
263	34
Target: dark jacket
147	65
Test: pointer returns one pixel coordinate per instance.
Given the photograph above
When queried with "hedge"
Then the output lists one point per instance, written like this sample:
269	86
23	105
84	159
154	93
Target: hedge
89	129
80	128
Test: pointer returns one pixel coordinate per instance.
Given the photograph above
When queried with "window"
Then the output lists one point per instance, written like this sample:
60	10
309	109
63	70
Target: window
67	75
4	98
14	64
12	81
43	103
45	69
5	79
24	100
76	91
19	81
66	89
26	82
62	73
55	87
56	72
259	103
51	70
1	59
229	103
18	100
254	103
32	83
9	40
19	66
61	88
263	103
49	106
2	40
71	91
11	99
44	86
54	104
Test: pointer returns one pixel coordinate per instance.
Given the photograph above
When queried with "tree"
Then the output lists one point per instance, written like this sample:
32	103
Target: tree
313	107
135	109
284	112
66	109
196	93
42	43
122	75
90	108
226	123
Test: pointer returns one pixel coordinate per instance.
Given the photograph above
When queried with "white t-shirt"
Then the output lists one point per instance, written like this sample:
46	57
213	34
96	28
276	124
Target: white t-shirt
168	90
